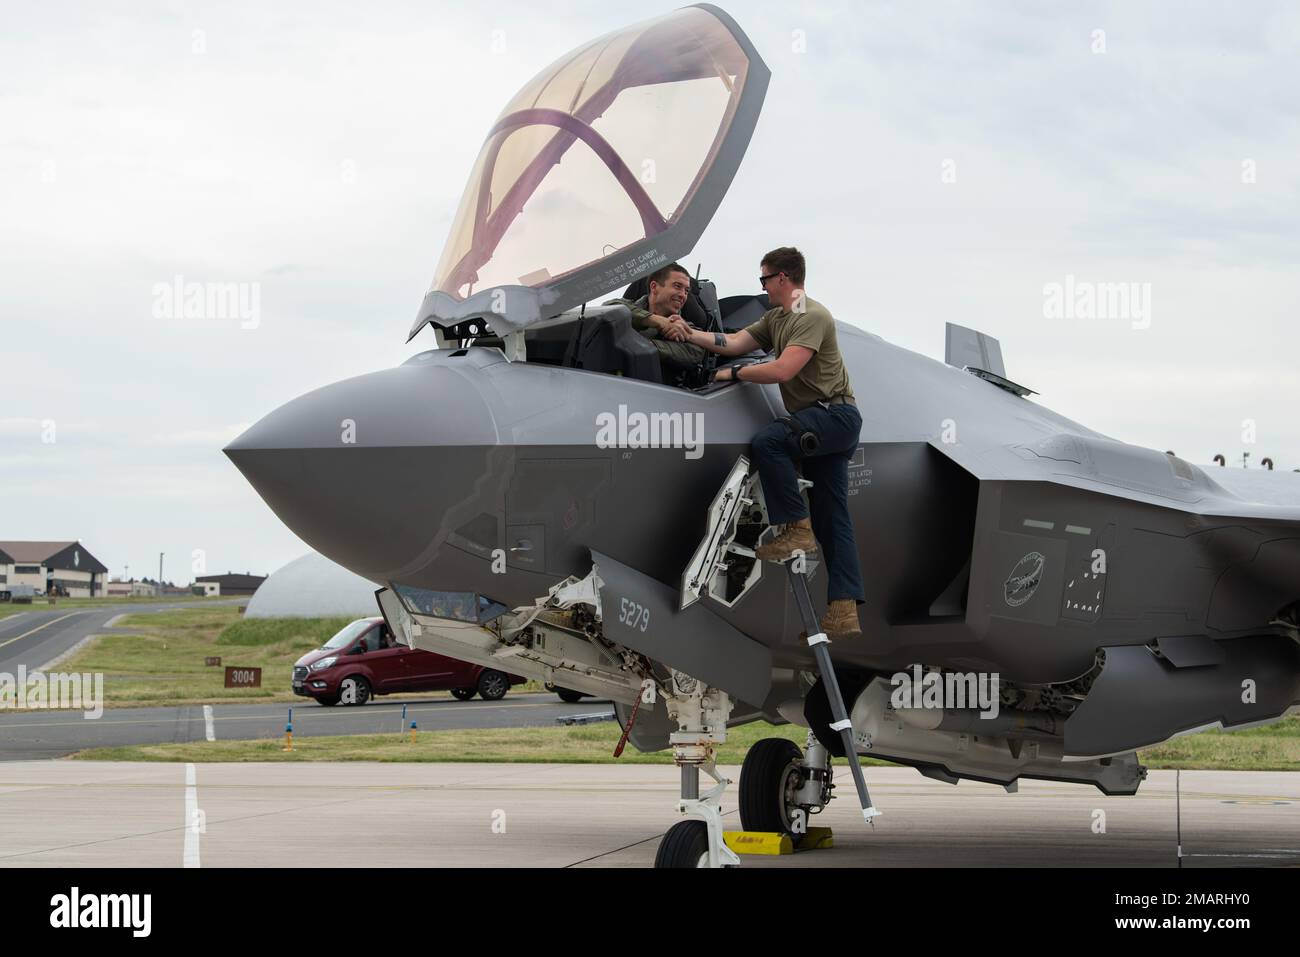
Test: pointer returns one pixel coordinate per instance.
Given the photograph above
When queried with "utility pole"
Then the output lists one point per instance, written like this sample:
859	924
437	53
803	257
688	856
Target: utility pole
160	560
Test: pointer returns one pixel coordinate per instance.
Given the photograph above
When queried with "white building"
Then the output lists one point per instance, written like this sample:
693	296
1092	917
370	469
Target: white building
52	568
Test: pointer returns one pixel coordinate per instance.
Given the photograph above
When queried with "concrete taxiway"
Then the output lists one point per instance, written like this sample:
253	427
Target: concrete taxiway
67	813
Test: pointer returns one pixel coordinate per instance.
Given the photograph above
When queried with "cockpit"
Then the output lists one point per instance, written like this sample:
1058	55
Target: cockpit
605	167
601	338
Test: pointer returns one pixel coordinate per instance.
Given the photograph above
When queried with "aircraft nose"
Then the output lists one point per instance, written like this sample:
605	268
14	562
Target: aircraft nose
367	470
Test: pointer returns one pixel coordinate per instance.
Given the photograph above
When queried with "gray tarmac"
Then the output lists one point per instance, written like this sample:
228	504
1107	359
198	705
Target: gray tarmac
72	813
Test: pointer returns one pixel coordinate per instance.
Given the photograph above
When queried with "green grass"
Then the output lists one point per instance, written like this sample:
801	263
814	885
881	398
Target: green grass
581	744
1273	748
160	662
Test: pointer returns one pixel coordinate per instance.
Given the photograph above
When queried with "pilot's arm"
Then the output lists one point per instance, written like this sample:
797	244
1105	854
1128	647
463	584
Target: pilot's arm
724	344
645	321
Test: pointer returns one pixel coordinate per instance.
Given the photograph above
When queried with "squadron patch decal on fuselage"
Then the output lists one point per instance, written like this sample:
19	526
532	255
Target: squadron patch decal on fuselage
1023	580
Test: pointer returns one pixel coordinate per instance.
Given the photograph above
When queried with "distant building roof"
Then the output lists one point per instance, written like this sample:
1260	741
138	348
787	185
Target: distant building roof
313	587
233	580
33	551
53	555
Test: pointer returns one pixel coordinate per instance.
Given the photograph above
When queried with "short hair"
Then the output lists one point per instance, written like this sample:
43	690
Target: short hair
660	275
788	260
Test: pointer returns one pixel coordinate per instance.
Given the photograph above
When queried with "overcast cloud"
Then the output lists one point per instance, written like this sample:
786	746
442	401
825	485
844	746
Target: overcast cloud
320	150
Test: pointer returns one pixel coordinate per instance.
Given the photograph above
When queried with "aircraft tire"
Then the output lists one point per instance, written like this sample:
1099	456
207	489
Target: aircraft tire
764	778
685	845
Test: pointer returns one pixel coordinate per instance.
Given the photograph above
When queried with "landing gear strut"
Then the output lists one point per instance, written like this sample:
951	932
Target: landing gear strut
701	714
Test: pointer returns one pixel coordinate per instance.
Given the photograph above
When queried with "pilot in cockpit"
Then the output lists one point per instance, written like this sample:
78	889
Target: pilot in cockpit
655	313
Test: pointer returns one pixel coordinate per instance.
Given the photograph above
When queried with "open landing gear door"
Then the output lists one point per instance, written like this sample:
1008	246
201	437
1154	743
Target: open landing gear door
724	565
399	625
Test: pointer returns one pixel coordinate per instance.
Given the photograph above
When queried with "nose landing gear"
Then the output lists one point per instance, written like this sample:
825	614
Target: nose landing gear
701	714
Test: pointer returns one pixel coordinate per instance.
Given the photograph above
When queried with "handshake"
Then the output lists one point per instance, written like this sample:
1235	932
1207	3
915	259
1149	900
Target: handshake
674	327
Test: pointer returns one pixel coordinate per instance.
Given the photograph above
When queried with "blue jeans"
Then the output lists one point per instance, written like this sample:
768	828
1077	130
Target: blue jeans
775	451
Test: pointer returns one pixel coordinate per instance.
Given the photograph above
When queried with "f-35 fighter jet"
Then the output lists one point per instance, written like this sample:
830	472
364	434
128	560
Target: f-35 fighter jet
533	496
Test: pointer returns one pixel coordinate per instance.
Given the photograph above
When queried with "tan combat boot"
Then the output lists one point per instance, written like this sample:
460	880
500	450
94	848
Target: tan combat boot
841	619
793	538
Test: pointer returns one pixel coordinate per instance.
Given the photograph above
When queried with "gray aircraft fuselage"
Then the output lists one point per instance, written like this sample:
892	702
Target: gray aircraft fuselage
980	515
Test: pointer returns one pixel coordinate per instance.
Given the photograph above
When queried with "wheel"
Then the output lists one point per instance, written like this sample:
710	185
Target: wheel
685	845
769	779
354	689
569	697
328	701
493	685
463	694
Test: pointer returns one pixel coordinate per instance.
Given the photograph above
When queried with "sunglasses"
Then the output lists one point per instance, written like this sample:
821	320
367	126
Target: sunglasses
762	280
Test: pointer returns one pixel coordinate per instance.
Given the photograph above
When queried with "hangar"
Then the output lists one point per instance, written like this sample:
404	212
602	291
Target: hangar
52	568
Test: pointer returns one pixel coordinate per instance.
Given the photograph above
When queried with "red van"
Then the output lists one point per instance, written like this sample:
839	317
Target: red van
364	660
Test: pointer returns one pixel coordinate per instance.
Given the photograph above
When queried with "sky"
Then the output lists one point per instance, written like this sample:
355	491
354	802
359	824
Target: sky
936	162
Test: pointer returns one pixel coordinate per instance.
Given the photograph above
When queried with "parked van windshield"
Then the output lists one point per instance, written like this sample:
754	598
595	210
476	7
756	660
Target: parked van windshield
348	635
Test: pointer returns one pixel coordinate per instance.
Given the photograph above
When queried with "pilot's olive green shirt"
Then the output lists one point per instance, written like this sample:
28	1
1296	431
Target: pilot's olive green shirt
824	375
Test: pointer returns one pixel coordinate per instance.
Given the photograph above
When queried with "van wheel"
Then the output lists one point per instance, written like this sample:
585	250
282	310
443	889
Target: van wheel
355	689
569	697
463	694
493	685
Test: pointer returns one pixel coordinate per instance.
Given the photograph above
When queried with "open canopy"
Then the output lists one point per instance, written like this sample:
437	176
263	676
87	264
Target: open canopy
607	165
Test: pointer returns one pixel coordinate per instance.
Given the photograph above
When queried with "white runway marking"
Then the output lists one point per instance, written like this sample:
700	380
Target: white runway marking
191	857
207	723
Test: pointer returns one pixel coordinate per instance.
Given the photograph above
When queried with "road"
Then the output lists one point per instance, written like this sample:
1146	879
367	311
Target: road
50	734
92	814
35	638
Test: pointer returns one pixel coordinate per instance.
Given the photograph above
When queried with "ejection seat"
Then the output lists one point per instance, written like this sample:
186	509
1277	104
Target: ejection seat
702	312
603	340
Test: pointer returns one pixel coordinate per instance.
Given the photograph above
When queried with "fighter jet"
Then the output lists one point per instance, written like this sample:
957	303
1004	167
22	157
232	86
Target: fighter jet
536	497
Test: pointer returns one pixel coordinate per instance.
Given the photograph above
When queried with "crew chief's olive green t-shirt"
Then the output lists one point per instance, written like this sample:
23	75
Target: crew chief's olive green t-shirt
824	376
